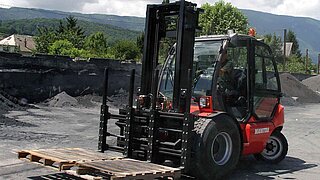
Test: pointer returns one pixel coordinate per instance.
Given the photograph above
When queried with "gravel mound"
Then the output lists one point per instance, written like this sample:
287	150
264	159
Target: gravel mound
62	100
6	104
313	83
89	100
293	88
289	101
120	99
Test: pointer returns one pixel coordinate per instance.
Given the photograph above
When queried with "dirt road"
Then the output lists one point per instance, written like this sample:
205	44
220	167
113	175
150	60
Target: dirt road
46	127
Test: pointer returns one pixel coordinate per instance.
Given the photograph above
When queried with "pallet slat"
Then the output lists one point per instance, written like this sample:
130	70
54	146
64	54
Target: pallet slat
63	158
131	169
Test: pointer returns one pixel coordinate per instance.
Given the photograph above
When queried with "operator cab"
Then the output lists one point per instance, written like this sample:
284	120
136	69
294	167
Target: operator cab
236	73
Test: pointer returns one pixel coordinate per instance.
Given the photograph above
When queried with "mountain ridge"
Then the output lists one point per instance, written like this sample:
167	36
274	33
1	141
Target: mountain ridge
125	22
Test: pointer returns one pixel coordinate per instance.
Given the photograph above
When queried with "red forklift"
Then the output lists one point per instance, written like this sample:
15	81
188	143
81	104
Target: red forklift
214	99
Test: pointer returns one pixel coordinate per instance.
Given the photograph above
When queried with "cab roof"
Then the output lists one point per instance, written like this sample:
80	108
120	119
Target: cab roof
225	37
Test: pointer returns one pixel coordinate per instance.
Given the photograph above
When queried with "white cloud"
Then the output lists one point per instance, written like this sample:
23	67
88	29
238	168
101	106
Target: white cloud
122	8
305	8
138	7
299	8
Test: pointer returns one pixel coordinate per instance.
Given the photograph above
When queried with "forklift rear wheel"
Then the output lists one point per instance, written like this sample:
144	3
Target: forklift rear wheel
218	148
275	150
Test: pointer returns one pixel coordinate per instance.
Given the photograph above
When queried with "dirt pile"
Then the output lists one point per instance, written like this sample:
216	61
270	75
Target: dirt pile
65	100
293	88
120	99
313	83
89	100
6	104
62	100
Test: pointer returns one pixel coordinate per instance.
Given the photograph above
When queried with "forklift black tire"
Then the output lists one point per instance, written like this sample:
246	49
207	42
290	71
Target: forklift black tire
276	149
217	148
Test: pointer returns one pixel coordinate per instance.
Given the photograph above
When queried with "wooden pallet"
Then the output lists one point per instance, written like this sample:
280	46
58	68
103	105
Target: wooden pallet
126	169
62	159
93	165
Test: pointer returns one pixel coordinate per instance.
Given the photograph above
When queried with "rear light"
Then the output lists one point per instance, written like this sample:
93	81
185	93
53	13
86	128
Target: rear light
204	102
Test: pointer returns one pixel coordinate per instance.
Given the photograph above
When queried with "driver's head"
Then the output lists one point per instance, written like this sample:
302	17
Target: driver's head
226	65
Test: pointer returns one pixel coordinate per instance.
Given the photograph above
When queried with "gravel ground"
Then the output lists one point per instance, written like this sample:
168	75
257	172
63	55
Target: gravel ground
52	127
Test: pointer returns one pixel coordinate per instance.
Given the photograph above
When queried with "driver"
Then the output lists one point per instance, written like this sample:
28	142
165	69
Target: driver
227	83
232	86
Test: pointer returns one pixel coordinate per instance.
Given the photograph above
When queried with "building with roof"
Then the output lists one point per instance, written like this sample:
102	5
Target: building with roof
289	46
23	44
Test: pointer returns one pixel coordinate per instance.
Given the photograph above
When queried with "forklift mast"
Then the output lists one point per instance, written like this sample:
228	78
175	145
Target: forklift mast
146	132
184	32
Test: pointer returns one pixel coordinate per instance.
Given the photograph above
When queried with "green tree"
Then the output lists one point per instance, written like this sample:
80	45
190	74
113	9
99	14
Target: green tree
291	37
297	64
96	44
66	48
71	31
126	50
275	44
60	47
44	39
220	17
140	42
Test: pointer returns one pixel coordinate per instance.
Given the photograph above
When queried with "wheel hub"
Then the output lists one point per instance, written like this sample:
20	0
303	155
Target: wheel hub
221	148
273	148
270	146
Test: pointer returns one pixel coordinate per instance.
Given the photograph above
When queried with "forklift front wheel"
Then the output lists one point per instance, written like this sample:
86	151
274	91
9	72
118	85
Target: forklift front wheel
217	149
275	150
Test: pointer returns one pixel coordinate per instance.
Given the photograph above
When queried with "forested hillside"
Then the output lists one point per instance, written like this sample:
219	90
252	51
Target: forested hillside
30	26
125	22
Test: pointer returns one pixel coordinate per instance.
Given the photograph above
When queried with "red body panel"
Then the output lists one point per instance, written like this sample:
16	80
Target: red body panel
194	108
256	134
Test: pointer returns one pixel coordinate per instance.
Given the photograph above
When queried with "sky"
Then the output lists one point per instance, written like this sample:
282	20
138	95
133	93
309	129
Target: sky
305	8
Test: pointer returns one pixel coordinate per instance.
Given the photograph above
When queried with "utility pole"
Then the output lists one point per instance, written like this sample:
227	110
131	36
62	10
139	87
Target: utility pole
165	1
318	63
307	57
284	48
